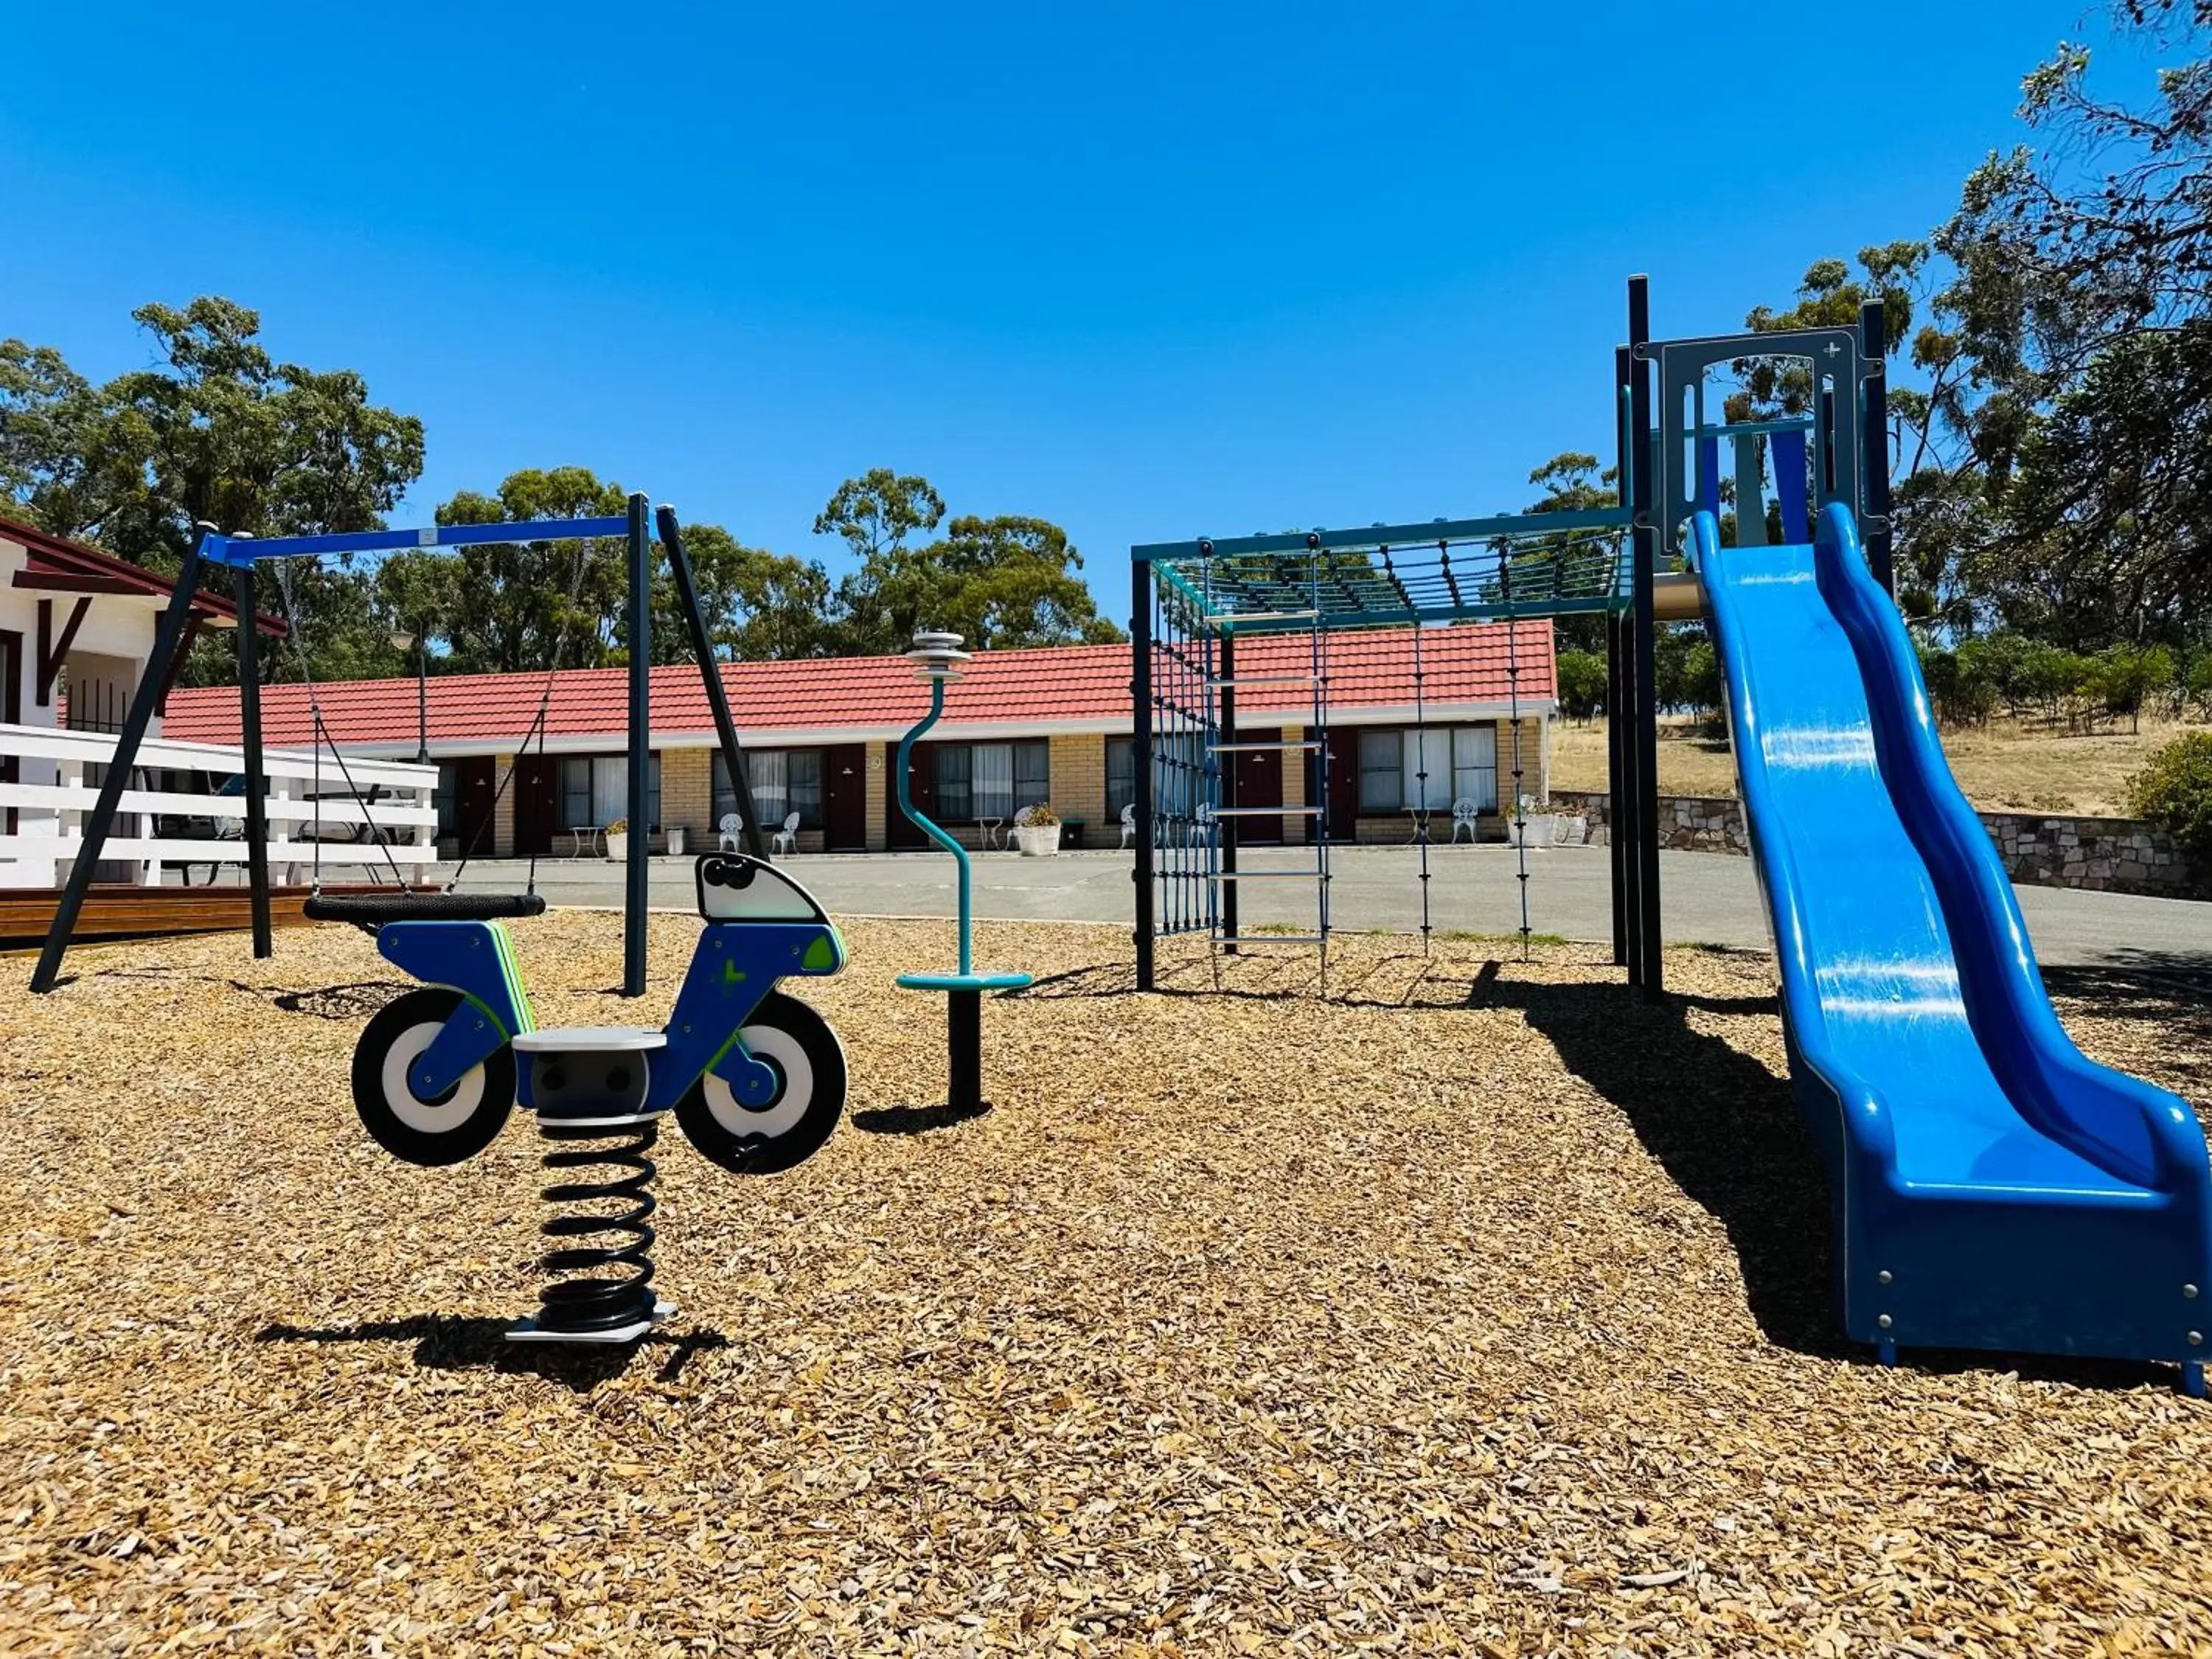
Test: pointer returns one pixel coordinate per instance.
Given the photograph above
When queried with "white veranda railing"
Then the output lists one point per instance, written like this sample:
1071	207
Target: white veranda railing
312	817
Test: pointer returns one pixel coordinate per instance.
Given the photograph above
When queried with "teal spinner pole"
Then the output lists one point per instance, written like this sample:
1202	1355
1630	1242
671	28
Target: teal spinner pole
937	659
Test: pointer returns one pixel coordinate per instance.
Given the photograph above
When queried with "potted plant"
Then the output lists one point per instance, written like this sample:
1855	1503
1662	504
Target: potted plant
1037	831
619	839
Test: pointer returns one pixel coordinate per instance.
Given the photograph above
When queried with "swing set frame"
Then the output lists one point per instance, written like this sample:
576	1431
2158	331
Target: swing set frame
213	551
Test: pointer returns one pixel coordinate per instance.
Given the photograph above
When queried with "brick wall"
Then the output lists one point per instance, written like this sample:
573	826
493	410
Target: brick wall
1078	766
502	816
880	790
1533	780
1296	830
687	795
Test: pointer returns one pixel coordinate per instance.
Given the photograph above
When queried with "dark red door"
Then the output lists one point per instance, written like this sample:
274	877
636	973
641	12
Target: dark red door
1343	801
537	788
1259	783
476	788
845	797
921	781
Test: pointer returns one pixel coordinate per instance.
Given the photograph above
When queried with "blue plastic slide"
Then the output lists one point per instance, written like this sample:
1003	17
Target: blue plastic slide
1992	1186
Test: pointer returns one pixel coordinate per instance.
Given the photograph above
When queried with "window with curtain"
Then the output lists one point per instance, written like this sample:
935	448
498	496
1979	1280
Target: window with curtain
1120	774
1032	774
991	777
1428	769
1474	765
955	805
595	791
1460	761
803	781
767	774
978	780
782	780
1381	772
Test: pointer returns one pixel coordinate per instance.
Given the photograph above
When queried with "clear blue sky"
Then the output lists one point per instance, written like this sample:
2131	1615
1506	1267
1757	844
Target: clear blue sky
1151	272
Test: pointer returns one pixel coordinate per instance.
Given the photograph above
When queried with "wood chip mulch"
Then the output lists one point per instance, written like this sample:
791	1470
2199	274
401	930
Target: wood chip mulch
1476	1308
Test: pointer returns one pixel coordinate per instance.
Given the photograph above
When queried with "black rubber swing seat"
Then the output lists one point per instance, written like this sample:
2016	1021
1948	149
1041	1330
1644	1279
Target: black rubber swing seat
373	909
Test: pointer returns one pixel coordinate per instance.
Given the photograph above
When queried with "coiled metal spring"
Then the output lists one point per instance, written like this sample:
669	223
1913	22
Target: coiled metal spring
604	1301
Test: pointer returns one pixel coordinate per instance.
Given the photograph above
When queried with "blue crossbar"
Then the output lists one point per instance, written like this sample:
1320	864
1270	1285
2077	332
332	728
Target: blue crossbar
245	551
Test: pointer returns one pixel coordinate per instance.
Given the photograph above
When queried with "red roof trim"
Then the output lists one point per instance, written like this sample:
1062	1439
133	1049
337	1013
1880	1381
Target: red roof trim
1084	687
53	555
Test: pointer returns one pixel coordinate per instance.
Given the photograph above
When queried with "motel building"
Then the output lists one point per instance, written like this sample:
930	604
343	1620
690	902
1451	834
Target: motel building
1020	728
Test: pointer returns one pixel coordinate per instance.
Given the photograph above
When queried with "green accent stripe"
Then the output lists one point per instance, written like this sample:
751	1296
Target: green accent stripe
514	972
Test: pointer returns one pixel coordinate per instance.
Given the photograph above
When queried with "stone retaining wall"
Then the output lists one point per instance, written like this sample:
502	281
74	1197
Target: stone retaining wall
1693	824
2118	855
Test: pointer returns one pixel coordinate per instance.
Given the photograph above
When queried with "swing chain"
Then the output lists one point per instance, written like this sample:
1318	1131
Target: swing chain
320	736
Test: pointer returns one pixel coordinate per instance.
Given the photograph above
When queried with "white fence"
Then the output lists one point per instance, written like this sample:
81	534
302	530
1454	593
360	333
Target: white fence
312	817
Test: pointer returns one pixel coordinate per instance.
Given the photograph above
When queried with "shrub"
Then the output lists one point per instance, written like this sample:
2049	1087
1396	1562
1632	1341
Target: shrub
2174	788
1961	695
2197	689
1582	684
1701	678
1042	817
2122	677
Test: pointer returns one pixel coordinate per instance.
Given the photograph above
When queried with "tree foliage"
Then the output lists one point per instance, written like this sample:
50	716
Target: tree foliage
1000	582
219	429
216	429
2084	300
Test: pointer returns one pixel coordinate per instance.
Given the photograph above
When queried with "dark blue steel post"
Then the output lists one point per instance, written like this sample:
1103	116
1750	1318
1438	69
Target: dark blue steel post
637	898
1616	683
1225	740
257	787
168	638
1645	969
1874	443
710	675
1141	758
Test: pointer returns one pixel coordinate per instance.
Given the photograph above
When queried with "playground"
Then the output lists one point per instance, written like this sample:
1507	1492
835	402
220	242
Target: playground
1475	1307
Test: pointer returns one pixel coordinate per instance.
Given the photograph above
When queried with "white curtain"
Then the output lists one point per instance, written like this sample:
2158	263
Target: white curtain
1429	751
1462	763
1474	766
610	788
993	782
769	772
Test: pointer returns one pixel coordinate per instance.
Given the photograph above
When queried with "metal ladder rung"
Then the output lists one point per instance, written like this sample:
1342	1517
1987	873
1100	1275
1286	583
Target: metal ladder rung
1242	939
1267	812
1265	875
1269	679
1264	616
1257	748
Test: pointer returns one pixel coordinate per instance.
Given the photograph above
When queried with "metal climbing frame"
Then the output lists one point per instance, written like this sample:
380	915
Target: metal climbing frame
1218	622
1198	605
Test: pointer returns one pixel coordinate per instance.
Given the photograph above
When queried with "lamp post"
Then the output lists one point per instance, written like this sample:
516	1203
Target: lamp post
401	640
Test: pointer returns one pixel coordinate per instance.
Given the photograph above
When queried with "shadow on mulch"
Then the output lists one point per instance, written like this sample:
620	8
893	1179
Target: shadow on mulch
1726	1132
1298	982
914	1119
356	1000
2174	987
1723	1128
447	1342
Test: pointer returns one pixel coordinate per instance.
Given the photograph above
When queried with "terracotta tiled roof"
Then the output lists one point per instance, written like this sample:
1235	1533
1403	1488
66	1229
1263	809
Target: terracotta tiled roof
1071	685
